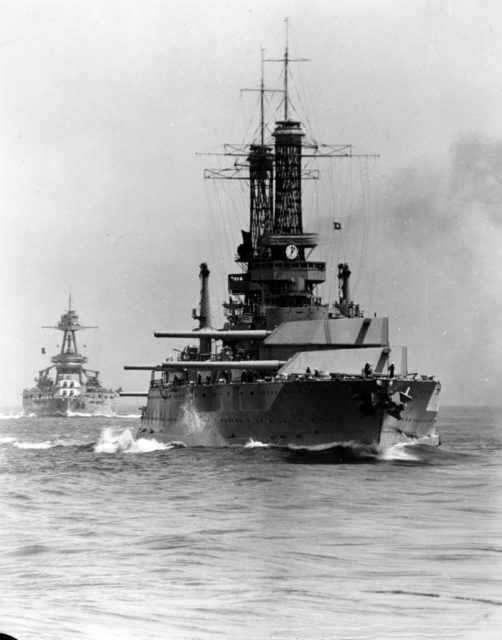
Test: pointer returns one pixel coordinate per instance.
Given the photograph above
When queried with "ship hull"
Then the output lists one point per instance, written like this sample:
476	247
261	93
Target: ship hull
93	405
300	413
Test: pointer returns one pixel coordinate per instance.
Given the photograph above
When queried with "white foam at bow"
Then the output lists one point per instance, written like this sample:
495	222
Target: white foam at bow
255	444
399	451
112	440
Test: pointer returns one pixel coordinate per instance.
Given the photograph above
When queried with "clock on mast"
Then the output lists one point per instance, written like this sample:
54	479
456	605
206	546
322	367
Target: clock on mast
291	251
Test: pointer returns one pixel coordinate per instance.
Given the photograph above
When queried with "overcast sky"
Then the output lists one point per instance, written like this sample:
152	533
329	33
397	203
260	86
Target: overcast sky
104	104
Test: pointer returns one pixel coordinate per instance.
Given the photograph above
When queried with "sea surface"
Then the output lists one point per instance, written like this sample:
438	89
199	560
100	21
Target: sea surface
106	536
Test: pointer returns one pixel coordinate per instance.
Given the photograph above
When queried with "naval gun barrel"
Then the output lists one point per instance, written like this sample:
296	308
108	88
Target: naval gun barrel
251	334
220	365
133	394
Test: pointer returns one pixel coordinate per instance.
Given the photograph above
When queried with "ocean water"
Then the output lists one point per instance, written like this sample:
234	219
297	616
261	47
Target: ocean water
104	536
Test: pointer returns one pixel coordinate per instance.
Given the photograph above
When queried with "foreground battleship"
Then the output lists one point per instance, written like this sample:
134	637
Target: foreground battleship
74	390
286	369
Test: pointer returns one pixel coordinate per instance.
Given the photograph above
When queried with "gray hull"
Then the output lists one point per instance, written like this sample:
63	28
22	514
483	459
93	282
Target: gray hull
90	404
302	413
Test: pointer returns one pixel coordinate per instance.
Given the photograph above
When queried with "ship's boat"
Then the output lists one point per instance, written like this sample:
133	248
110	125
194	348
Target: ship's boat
72	389
287	368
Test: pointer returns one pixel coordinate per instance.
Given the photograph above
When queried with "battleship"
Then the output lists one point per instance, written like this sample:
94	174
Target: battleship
287	368
73	389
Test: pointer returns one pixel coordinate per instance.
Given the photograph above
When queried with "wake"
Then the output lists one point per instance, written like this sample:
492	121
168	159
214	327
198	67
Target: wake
120	440
353	453
12	415
111	440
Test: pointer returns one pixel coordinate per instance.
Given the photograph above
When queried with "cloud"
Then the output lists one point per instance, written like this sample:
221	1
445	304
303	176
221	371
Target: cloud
476	177
445	223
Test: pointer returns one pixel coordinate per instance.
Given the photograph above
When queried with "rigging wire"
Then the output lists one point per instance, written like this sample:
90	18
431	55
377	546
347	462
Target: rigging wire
215	241
342	198
350	203
373	212
237	115
363	229
247	136
226	216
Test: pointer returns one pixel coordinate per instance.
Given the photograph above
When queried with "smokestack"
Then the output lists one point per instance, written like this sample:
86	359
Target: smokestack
344	278
205	308
204	316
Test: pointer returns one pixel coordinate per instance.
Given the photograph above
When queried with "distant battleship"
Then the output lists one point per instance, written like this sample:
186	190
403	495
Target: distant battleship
286	369
74	390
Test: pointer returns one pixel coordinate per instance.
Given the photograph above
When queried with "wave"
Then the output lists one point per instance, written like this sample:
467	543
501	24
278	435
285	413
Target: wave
15	414
324	446
12	415
256	444
418	452
60	441
118	440
332	453
77	414
111	440
47	444
427	594
402	451
34	445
